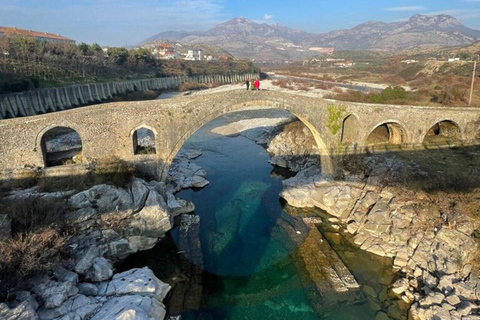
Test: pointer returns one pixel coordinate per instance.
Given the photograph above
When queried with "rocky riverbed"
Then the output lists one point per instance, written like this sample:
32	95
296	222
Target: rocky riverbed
110	224
431	253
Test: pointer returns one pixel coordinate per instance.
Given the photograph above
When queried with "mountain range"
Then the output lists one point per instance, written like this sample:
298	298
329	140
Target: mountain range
246	39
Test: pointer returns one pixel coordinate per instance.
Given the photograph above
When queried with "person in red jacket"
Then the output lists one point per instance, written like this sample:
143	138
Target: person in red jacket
257	84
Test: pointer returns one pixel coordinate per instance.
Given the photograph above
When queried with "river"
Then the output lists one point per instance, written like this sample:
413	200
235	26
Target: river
248	271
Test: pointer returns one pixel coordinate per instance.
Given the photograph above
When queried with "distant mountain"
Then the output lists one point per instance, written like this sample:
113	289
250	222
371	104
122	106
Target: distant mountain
246	39
418	31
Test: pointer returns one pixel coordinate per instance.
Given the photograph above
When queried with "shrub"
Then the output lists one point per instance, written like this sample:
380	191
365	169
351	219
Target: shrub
27	255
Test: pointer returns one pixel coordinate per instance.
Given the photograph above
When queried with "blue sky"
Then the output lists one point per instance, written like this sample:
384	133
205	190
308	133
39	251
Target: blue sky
120	22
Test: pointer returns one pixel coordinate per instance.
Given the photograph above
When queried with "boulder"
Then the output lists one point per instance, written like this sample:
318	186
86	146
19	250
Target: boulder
87	289
131	307
153	220
120	249
21	296
77	307
86	260
101	270
137	281
400	286
53	293
23	311
62	274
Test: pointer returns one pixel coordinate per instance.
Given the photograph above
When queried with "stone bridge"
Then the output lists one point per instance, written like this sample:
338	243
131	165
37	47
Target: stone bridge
110	130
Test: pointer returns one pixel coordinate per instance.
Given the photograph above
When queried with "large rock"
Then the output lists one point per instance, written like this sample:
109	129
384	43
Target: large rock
53	293
131	307
86	260
294	148
153	220
101	270
87	289
23	311
137	281
63	274
78	307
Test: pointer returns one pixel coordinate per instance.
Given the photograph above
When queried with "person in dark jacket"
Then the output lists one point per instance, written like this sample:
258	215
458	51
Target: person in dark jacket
248	83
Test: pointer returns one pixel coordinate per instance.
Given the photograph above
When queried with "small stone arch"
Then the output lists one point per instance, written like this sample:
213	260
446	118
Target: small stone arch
387	133
349	130
61	145
144	140
444	131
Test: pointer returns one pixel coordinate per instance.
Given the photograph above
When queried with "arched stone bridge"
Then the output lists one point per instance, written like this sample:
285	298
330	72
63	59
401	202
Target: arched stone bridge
108	130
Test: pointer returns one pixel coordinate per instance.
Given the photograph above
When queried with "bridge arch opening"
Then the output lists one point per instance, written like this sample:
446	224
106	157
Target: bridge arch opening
322	151
387	133
443	132
349	130
61	146
143	139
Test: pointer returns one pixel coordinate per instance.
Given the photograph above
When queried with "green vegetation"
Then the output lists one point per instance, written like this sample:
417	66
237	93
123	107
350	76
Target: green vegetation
28	64
335	118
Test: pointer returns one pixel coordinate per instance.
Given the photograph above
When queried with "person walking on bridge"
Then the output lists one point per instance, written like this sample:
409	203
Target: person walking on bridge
257	84
247	82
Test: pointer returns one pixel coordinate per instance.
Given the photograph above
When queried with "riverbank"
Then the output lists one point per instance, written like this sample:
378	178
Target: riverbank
379	205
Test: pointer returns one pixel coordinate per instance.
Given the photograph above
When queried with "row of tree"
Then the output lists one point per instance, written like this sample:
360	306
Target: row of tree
27	63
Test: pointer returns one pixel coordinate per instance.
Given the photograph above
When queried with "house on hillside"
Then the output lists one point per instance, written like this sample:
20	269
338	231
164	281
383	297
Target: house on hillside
38	35
194	55
164	52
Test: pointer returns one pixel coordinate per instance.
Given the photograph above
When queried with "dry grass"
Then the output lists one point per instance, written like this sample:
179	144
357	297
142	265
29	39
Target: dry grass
284	84
39	236
27	255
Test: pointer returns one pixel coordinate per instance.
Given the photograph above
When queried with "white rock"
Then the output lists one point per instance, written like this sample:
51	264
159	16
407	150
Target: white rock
23	311
54	293
101	270
77	307
86	261
131	307
138	281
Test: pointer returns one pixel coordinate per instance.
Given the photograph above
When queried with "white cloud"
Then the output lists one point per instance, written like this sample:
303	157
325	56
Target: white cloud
405	8
267	17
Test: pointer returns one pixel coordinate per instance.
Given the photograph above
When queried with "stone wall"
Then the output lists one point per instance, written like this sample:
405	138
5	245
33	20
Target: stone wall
107	130
30	103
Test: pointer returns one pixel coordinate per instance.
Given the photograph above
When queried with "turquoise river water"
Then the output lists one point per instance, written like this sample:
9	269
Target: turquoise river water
249	273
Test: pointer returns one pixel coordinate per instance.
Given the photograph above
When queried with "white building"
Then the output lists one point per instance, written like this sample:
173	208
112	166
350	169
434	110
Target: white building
194	55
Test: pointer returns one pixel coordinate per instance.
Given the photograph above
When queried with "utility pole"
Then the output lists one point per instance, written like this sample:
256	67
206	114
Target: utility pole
473	81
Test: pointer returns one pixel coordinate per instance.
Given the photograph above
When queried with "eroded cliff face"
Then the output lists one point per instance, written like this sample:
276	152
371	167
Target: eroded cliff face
375	209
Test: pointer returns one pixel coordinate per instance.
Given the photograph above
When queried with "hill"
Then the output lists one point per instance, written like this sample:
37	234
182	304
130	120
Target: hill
246	39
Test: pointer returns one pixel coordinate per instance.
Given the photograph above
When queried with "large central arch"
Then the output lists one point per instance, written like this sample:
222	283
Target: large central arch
325	154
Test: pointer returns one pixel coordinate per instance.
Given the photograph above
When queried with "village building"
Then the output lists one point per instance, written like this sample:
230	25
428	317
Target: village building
193	55
164	52
38	35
